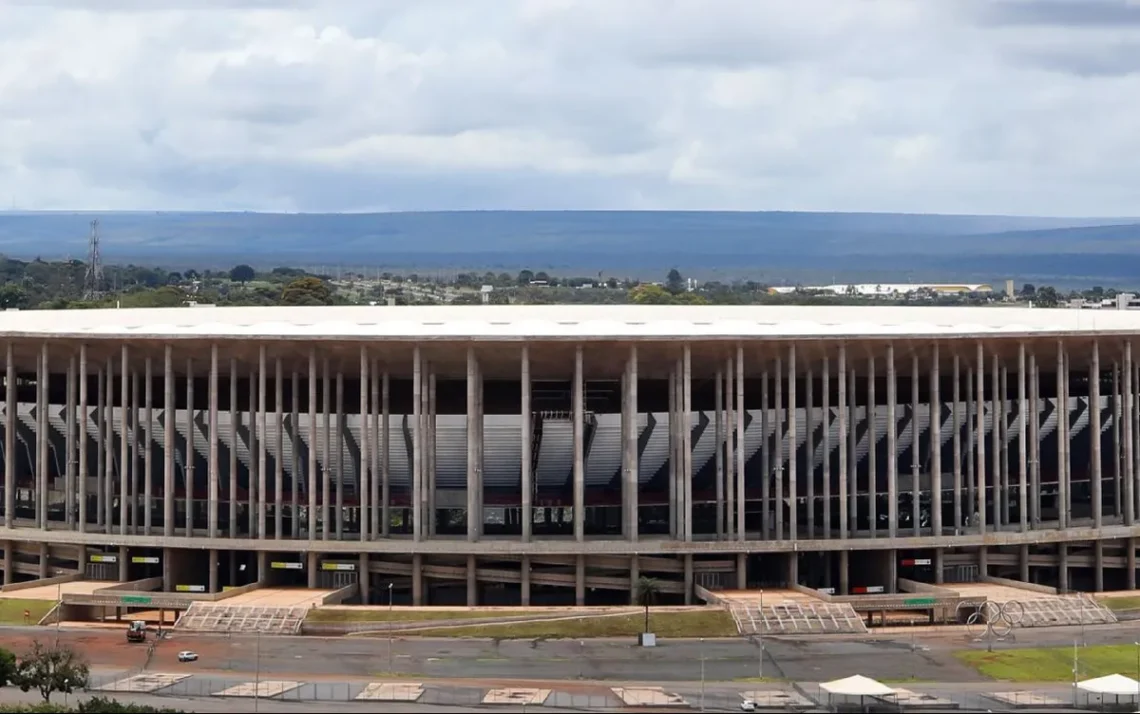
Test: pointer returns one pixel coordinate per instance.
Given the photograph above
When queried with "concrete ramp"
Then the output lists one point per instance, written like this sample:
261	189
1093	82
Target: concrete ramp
1026	608
223	617
790	612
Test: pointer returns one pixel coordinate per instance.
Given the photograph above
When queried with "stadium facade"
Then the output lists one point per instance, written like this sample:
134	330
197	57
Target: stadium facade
723	447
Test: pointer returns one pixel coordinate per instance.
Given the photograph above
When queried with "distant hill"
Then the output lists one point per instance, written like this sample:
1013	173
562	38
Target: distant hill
790	245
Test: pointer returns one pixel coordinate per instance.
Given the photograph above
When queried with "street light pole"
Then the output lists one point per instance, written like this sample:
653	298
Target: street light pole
390	670
762	623
702	674
257	672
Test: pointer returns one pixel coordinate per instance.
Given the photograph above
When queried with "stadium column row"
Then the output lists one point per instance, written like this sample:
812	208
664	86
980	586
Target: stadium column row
975	502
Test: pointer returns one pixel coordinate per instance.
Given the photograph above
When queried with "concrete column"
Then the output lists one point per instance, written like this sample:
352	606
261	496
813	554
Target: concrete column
687	440
232	489
278	450
938	566
311	570
844	572
386	461
980	470
729	452
892	445
294	451
718	421
852	453
781	431
44	561
365	464
212	505
255	464
843	495
526	437
480	495
148	453
8	547
124	563
213	586
10	446
688	578
793	448
1063	567
311	516
674	469
431	434
1001	442
133	484
766	429
634	576
983	561
1034	443
363	574
169	412
338	455
1130	562
1095	438
971	433
100	444
524	586
378	444
417	580
1129	438
1117	451
472	433
915	434
809	452
1023	562
741	571
84	419
167	570
579	467
1062	439
417	443
580	580
42	455
262	567
191	455
327	457
872	451
1098	569
957	444
741	495
472	582
936	443
826	385
793	565
1022	474
633	471
69	447
892	571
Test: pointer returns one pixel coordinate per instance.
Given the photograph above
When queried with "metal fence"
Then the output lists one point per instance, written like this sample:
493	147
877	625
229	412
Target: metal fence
580	696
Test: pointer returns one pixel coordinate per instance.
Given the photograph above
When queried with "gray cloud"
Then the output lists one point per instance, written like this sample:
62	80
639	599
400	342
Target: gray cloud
942	105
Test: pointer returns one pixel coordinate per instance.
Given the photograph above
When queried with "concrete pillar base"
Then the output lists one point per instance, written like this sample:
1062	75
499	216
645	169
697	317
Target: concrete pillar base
844	576
364	579
938	577
167	570
634	576
524	585
793	569
311	569
741	571
1130	563
1098	572
688	580
262	568
124	564
44	561
580	581
213	586
892	571
983	562
417	580
8	563
1023	560
1062	568
472	582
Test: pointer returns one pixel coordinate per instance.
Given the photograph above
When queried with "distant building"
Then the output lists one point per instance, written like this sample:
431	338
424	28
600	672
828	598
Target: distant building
1122	301
887	289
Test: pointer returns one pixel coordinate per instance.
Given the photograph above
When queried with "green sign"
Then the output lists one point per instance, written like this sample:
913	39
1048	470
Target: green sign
919	601
135	600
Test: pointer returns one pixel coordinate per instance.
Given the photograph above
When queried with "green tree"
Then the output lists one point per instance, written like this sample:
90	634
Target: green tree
674	282
8	667
306	291
647	591
12	295
58	668
242	273
649	294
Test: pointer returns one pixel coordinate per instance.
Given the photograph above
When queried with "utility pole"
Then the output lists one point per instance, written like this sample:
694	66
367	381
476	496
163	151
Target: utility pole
93	280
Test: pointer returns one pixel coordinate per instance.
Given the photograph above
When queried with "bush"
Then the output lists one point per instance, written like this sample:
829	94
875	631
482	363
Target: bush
97	705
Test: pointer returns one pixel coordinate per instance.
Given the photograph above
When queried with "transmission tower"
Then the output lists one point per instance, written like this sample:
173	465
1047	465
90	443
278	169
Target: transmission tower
93	281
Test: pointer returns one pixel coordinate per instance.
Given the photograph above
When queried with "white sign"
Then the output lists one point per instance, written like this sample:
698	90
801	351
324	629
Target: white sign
338	566
291	565
145	560
103	558
190	588
826	591
922	561
875	589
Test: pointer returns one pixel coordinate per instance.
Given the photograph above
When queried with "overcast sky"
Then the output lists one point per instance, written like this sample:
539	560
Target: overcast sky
955	106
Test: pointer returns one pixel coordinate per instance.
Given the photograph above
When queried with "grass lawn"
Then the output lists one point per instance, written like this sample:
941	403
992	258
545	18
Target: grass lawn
397	615
712	622
12	610
1120	604
1052	664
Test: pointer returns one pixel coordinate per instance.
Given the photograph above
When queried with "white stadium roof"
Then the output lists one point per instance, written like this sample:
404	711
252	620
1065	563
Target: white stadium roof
561	322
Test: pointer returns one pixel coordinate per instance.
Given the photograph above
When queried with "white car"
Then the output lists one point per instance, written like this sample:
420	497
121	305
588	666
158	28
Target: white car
187	656
748	706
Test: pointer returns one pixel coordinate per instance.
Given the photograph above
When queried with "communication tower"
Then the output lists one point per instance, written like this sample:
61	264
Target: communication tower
93	280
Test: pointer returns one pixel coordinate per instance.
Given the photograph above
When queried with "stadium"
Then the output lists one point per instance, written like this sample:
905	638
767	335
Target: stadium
841	450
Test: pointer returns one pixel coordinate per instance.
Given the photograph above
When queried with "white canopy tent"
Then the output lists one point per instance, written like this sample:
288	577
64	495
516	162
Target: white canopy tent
1112	685
857	686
